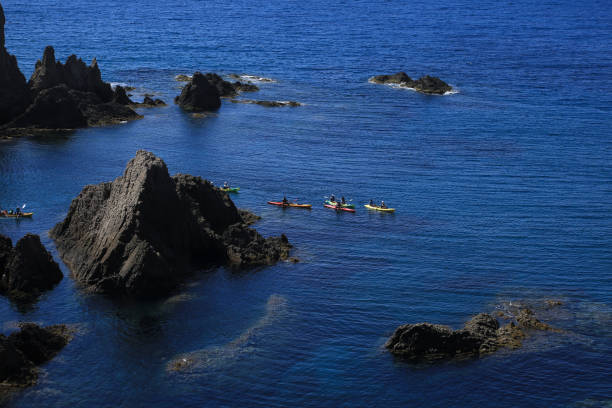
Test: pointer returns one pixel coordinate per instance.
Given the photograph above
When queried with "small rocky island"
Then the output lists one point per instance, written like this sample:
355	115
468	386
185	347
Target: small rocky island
427	84
479	336
141	234
203	92
27	269
22	351
58	96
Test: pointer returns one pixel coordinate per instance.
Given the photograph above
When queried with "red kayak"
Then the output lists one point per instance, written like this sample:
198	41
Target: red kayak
335	207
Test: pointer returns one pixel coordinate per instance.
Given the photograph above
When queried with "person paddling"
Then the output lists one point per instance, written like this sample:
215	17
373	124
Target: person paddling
383	205
285	201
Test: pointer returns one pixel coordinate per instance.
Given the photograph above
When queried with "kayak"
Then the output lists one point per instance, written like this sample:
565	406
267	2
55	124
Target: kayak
339	208
230	189
280	204
345	205
374	207
25	214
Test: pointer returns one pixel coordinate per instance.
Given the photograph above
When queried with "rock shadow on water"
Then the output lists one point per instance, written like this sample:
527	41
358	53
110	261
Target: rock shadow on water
246	343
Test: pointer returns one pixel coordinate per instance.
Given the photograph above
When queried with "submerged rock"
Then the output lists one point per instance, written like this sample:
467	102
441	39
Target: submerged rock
28	269
479	336
426	84
139	235
23	350
149	102
182	78
268	104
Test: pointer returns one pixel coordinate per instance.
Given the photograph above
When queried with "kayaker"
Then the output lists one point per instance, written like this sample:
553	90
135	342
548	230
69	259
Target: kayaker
332	198
18	211
343	200
383	205
285	201
371	203
225	184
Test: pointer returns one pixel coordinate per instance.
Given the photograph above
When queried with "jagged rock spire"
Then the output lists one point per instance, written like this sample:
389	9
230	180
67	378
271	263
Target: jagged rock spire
1	27
14	96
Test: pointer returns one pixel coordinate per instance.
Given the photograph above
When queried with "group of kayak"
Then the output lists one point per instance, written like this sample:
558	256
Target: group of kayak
332	203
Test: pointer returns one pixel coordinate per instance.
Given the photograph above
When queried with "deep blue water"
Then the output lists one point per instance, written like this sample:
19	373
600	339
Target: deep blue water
503	193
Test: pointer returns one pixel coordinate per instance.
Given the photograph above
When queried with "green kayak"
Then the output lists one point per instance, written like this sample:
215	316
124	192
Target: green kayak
345	205
230	189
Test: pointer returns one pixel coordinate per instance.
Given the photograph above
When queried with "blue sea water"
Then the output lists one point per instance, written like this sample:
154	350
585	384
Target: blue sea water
503	192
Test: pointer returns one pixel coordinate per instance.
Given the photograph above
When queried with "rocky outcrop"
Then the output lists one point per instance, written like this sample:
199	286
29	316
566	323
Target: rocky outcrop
268	104
28	269
204	91
149	102
72	95
479	336
199	95
139	235
426	84
14	93
24	350
228	89
75	74
57	96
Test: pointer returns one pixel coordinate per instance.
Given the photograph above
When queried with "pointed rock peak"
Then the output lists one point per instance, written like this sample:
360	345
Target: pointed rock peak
198	77
94	63
48	56
146	165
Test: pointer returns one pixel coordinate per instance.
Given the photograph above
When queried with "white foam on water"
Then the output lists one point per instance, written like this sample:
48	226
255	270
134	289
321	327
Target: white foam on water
254	78
400	86
115	84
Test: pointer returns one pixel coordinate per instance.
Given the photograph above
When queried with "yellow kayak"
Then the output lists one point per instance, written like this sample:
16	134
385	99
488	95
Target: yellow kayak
25	214
374	207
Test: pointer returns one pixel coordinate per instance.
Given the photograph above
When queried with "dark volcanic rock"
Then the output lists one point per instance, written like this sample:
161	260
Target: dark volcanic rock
27	269
142	233
57	96
121	96
432	341
228	89
268	104
149	102
479	336
199	95
53	108
426	84
75	74
23	350
14	93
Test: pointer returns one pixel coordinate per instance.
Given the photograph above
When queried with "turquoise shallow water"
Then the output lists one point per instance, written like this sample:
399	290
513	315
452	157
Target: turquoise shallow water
503	192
